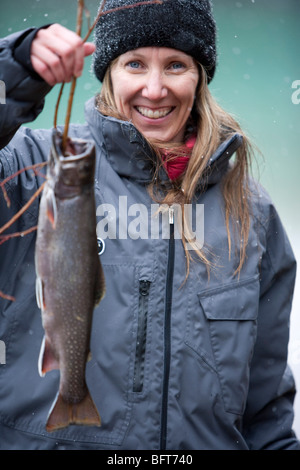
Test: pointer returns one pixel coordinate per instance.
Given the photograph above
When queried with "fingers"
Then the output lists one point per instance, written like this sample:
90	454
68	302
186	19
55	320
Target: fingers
57	54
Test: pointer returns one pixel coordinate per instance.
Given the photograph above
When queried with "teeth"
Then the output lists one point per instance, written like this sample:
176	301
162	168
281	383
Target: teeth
158	113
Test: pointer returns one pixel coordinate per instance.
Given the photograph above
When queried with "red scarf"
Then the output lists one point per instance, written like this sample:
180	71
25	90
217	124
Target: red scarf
176	166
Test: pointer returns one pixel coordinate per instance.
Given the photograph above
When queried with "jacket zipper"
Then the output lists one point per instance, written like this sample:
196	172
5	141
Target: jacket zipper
139	364
167	332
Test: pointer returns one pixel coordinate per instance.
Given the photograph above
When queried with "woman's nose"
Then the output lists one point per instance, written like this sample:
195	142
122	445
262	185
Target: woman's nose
155	87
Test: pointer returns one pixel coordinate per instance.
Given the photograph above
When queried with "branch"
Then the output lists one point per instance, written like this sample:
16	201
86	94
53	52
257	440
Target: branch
4	238
7	297
78	31
24	208
73	85
34	167
57	104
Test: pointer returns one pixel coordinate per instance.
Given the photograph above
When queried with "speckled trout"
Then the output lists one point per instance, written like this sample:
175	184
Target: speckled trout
70	280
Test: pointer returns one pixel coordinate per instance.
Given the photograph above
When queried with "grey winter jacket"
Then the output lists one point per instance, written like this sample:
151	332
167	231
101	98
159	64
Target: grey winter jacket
212	369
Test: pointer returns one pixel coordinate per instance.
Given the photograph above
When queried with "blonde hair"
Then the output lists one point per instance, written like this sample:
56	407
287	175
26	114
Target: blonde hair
213	126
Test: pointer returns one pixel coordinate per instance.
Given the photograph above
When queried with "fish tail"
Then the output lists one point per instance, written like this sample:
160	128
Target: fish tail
62	414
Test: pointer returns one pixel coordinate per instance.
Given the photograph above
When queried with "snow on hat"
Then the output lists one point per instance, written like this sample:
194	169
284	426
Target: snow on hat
186	25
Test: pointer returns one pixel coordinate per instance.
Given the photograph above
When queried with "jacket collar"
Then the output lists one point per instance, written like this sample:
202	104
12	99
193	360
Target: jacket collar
130	155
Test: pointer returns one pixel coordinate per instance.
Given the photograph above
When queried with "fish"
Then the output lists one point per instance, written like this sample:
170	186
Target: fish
69	278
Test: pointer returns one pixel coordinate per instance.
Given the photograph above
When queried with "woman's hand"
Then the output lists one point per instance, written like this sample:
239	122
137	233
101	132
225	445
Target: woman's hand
57	54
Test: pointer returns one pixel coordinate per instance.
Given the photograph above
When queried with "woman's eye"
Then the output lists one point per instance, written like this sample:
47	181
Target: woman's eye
133	64
177	66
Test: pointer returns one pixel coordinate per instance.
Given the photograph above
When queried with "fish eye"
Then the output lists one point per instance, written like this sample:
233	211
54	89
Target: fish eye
101	246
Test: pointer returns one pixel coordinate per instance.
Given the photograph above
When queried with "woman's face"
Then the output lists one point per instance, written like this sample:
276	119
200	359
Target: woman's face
154	87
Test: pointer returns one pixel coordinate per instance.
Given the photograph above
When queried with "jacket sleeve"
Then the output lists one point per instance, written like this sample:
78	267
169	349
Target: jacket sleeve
24	91
269	414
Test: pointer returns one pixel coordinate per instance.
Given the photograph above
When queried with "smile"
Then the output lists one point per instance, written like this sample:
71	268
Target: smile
154	114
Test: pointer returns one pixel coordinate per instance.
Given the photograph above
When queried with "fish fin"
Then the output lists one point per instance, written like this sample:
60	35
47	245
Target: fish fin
62	414
47	360
39	293
51	207
99	285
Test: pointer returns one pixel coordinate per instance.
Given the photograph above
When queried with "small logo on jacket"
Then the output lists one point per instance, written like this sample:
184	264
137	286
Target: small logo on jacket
2	92
2	353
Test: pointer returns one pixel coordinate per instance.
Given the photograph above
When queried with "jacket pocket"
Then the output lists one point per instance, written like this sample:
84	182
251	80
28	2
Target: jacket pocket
231	314
139	364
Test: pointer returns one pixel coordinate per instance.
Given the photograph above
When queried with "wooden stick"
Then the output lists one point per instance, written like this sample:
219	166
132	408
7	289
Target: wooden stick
96	20
57	104
24	208
4	238
73	84
78	31
7	297
34	167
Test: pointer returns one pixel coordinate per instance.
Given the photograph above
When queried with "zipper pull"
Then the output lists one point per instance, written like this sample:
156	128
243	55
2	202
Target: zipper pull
144	287
171	215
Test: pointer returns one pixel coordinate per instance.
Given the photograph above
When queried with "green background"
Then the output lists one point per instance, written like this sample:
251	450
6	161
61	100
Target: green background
258	61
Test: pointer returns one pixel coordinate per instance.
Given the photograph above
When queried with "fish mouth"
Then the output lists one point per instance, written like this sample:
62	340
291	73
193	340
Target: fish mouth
154	113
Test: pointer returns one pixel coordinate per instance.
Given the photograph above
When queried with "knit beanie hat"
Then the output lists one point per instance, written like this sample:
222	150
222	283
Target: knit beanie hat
186	25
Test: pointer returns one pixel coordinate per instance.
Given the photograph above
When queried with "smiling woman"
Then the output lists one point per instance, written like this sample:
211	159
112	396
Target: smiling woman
155	88
189	344
164	92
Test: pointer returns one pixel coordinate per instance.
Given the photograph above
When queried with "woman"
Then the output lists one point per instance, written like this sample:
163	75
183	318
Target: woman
189	344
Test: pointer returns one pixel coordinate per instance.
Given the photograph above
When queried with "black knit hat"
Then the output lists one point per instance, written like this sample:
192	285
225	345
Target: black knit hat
186	25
